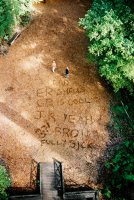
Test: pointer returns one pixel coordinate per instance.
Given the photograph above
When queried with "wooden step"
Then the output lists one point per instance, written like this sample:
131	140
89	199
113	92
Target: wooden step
48	190
80	195
26	197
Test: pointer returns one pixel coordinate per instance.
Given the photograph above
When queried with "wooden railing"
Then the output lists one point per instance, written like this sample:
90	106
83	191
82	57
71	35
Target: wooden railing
58	173
34	176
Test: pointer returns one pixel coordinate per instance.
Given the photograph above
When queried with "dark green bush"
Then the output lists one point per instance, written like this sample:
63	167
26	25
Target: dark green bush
120	169
25	19
13	12
110	29
4	183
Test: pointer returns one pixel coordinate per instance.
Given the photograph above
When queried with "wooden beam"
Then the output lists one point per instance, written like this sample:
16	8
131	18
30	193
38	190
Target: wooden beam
15	36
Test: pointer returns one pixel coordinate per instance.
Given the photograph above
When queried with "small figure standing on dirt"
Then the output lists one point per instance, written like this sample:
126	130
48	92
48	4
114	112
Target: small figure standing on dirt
67	72
54	66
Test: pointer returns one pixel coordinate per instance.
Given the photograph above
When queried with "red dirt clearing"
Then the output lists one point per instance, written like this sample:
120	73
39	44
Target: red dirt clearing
43	114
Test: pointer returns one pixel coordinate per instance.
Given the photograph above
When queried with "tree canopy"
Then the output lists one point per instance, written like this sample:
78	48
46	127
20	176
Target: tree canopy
4	183
120	166
11	13
109	26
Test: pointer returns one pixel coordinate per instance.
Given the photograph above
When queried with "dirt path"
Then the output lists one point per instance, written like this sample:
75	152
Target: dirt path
43	114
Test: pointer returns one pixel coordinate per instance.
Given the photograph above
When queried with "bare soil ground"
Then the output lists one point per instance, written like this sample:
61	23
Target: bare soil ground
43	114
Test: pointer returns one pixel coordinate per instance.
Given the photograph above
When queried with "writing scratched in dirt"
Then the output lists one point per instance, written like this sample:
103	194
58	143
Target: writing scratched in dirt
49	102
42	115
50	132
67	118
49	98
72	138
64	132
49	92
72	144
75	119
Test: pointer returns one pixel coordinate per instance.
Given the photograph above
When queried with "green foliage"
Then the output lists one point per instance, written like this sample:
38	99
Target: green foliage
110	29
4	183
121	170
120	167
122	122
13	12
6	18
25	19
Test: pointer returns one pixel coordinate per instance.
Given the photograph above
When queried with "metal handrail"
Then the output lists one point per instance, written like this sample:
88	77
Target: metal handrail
59	181
34	174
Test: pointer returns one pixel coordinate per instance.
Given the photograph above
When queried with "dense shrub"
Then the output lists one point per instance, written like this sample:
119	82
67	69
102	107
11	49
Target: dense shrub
110	29
121	170
13	12
120	167
4	183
